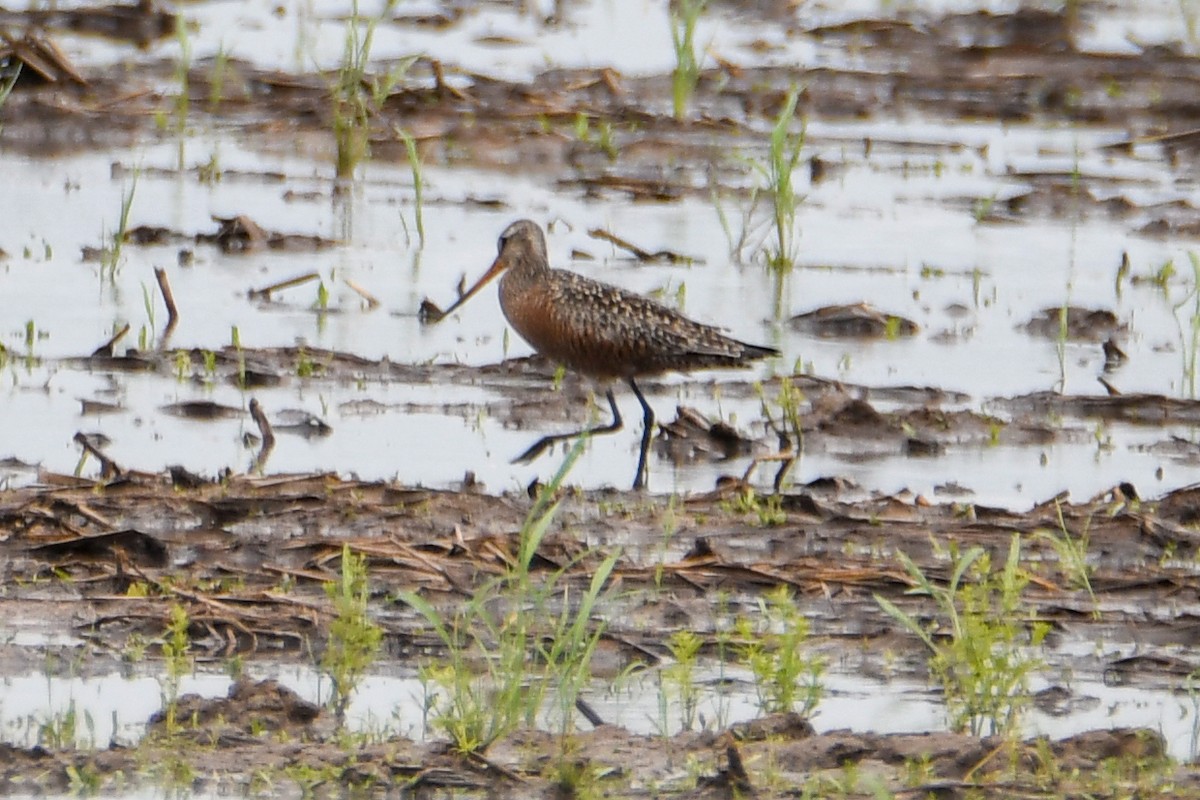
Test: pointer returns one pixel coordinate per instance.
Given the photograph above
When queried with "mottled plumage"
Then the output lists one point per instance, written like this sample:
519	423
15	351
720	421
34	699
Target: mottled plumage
600	330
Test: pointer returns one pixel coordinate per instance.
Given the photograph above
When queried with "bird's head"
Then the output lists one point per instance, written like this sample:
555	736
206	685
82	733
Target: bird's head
521	243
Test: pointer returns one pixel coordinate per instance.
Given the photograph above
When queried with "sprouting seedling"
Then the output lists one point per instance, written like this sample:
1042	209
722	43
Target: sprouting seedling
182	67
210	365
176	642
535	632
684	16
235	337
414	163
1162	278
354	638
110	256
144	336
786	677
216	84
783	154
354	95
684	646
1191	344
183	365
983	659
1060	343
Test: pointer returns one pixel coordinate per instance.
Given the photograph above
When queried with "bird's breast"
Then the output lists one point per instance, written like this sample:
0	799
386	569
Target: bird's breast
566	323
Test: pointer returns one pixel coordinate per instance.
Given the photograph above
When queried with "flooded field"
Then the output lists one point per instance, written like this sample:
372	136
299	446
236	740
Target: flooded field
240	443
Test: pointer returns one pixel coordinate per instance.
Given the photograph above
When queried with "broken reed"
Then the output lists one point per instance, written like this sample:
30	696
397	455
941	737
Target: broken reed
7	84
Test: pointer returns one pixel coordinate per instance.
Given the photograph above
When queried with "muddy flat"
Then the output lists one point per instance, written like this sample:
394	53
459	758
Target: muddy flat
261	525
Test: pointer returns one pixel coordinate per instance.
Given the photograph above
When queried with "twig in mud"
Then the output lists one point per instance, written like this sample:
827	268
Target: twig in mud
496	767
372	301
164	286
266	291
1179	137
106	349
641	255
739	780
264	426
443	88
588	712
785	456
108	467
268	436
430	312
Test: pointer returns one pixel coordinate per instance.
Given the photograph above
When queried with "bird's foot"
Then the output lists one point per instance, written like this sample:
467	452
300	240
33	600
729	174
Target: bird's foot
539	447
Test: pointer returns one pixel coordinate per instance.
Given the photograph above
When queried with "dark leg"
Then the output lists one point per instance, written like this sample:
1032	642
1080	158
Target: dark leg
541	444
639	480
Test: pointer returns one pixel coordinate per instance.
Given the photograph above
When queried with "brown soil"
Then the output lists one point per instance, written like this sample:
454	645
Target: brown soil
248	558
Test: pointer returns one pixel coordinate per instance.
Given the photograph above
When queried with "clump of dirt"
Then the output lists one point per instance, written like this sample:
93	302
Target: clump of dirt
1075	324
858	321
249	708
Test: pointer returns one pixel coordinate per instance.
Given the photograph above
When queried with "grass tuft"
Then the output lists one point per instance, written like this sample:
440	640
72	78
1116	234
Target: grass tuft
786	678
354	638
521	637
176	642
684	15
783	155
980	645
356	95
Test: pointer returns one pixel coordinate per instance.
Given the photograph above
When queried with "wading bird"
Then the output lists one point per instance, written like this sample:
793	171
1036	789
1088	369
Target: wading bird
599	330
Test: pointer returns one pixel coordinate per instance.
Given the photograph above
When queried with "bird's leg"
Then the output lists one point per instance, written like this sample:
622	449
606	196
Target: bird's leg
639	480
546	441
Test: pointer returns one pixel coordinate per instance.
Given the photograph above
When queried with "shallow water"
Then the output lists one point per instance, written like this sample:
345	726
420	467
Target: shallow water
857	695
895	229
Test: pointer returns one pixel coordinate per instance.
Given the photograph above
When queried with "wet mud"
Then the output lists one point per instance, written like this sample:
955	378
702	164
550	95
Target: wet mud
248	559
248	552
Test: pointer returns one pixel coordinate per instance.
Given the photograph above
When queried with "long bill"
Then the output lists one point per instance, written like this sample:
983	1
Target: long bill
498	266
